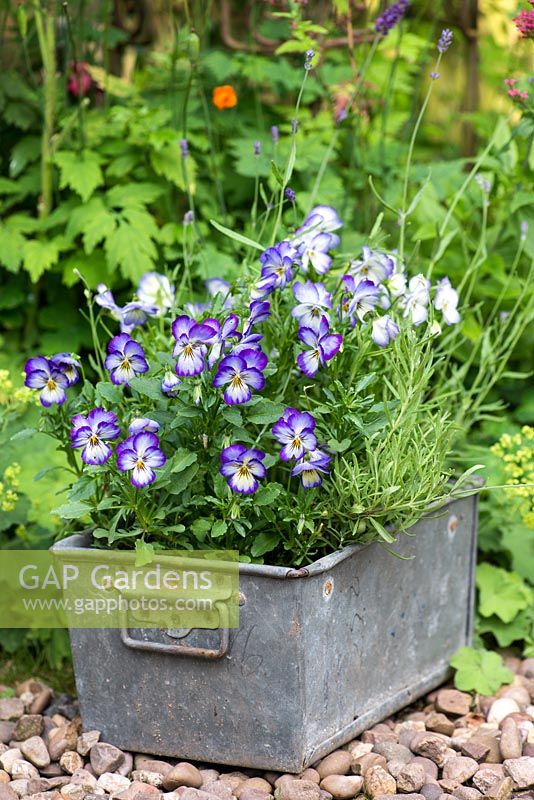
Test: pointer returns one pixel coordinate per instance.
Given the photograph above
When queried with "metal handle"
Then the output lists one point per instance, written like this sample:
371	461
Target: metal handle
185	649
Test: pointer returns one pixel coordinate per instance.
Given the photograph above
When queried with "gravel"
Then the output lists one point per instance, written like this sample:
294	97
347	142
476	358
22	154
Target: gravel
452	746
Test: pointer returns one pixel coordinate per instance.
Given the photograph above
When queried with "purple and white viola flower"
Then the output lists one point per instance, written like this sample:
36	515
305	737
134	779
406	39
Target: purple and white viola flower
140	424
384	331
192	340
141	455
248	341
91	432
417	299
314	302
105	299
446	301
259	311
125	360
321	219
225	332
374	266
313	251
68	364
135	314
365	295
197	310
322	345
243	467
42	374
276	269
240	374
170	384
295	430
155	290
311	468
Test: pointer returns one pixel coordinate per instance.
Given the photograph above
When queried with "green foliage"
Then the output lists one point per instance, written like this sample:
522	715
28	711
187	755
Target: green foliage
479	671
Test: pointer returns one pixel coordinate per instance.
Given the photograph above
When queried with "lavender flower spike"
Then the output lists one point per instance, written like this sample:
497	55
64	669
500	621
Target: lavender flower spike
445	40
391	17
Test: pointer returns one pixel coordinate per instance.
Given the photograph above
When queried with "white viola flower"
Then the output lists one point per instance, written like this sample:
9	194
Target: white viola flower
446	301
374	266
384	331
417	299
156	290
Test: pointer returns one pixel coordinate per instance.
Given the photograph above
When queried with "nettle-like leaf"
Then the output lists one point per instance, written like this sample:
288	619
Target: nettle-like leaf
39	255
506	633
501	593
131	245
79	171
11	247
479	671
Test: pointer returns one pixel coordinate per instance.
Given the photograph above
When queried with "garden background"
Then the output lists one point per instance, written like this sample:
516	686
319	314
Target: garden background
118	119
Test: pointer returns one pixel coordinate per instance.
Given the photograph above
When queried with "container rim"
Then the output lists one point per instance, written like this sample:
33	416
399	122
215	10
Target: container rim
328	562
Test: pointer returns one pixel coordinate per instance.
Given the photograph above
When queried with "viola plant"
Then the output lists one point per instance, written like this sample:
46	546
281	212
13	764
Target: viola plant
319	409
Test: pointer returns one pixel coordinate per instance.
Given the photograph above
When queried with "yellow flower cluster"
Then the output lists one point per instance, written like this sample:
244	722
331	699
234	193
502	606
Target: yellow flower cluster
517	454
10	482
12	397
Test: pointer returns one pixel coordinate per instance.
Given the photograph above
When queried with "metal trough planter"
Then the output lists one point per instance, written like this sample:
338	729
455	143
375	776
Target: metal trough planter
321	654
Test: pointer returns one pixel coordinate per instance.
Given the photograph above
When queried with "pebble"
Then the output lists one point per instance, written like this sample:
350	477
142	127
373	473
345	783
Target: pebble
500	790
310	775
432	746
23	769
393	751
138	791
452	701
298	790
72	791
510	743
111	782
485	778
105	757
20	787
460	768
86	740
41	700
378	782
83	778
356	748
337	763
411	778
35	750
11	708
7	758
27	726
220	789
361	764
183	774
61	739
70	761
500	709
251	794
259	784
475	749
7	793
439	723
521	770
342	787
430	791
467	793
145	776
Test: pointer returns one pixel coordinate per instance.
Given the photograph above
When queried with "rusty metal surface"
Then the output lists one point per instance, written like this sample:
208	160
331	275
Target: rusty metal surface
316	659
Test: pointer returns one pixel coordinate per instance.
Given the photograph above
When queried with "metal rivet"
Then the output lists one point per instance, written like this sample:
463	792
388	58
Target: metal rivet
242	599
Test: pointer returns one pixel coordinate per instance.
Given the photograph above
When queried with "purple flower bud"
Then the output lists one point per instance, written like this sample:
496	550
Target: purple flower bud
310	55
290	194
184	148
257	147
445	40
391	17
524	230
294	125
188	217
275	134
434	75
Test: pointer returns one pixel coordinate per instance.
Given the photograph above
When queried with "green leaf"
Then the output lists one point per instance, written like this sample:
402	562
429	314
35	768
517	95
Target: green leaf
502	593
183	479
92	219
267	494
134	194
73	510
200	528
232	415
11	247
518	539
237	236
148	387
130	245
79	171
144	553
264	543
182	459
218	529
39	256
479	671
109	392
25	433
266	411
506	633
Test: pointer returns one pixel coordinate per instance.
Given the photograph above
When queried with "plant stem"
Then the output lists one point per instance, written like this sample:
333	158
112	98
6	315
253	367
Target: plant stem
45	24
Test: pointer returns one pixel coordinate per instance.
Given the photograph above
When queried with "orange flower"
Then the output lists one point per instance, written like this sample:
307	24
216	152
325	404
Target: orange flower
224	97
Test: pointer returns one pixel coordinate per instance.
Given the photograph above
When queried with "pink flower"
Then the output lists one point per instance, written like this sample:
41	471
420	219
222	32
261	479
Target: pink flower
80	80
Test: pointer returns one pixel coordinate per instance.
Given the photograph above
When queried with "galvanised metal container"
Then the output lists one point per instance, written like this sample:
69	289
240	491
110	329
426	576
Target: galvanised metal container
321	654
